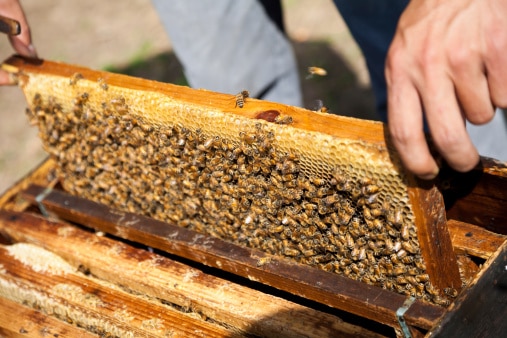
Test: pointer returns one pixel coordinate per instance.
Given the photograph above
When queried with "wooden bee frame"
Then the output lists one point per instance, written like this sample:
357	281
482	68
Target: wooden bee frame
440	240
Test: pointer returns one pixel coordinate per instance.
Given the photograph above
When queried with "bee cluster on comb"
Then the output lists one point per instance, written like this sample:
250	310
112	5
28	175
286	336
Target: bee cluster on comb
269	186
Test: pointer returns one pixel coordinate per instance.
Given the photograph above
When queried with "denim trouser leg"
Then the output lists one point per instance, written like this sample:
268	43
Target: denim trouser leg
372	24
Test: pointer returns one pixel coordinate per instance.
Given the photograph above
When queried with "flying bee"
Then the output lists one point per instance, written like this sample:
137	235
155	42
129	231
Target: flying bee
283	119
241	98
316	71
319	107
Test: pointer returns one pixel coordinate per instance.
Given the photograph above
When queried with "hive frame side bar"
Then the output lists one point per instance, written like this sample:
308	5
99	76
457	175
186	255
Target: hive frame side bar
434	238
333	290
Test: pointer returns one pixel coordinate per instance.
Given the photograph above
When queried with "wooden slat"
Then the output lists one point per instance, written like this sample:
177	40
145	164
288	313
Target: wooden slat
152	275
37	278
327	288
39	175
17	320
343	127
478	197
480	310
474	240
433	236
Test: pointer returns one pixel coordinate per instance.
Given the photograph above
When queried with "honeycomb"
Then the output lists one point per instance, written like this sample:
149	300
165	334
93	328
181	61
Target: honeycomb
336	204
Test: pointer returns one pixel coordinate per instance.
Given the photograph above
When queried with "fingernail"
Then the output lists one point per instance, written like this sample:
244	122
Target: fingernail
430	176
31	51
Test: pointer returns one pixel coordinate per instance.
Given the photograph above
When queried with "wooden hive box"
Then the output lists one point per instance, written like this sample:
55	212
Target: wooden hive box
157	273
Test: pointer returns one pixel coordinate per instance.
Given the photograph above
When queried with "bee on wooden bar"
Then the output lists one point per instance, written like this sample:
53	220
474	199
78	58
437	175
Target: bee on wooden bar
75	78
102	83
283	119
263	261
241	98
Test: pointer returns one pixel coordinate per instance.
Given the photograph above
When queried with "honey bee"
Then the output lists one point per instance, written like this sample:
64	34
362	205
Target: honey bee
288	167
291	252
288	221
75	78
334	229
401	280
423	278
318	181
410	247
210	142
263	261
362	254
371	259
283	119
420	264
441	301
81	99
451	292
370	189
387	285
349	241
309	252
405	234
319	107
241	98
316	71
102	83
407	259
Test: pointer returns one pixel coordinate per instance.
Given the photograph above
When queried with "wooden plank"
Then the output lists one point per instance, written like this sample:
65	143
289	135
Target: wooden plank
341	126
327	288
158	277
20	321
473	240
479	311
478	197
36	277
433	235
39	175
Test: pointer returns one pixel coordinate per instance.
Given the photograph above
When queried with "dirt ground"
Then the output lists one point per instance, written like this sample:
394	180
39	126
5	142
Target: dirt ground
127	36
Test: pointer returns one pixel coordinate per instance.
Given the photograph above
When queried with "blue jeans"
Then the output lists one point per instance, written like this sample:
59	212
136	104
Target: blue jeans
372	24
